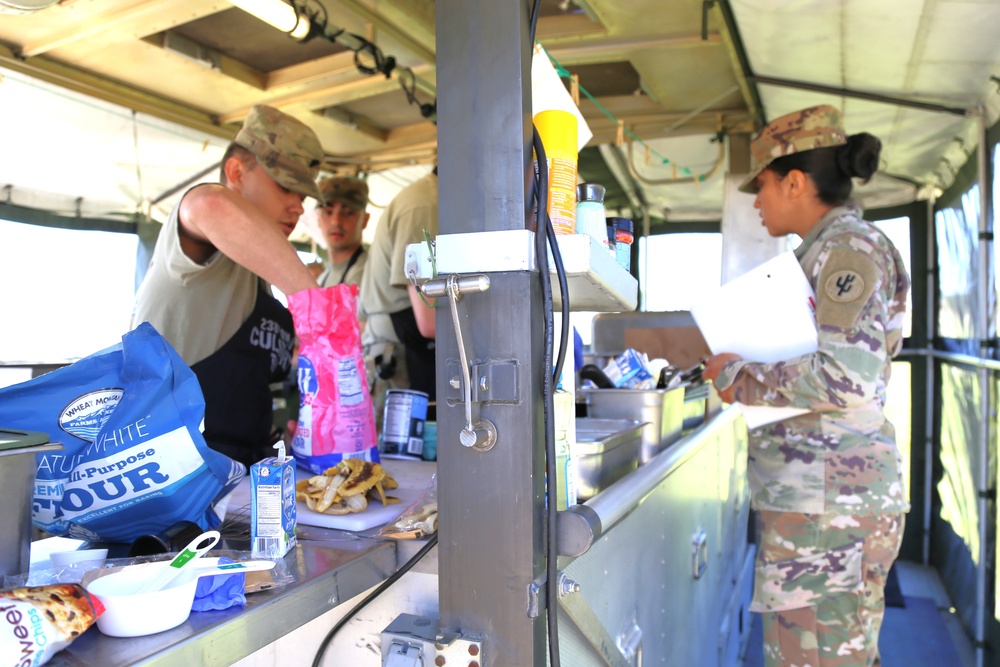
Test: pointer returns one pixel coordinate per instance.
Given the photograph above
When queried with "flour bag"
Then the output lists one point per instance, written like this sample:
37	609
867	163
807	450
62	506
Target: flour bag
336	417
134	461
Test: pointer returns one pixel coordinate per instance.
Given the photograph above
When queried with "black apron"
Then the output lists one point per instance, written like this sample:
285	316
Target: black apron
235	381
419	352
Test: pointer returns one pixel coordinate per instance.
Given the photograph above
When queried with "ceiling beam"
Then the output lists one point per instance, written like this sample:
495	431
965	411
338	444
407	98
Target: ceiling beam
321	70
390	30
361	87
552	29
138	20
653	125
86	83
606	50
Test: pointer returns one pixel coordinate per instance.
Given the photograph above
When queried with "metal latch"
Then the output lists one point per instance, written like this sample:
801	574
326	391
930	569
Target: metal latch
479	433
699	553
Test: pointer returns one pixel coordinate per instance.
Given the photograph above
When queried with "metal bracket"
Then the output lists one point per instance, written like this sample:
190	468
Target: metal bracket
492	382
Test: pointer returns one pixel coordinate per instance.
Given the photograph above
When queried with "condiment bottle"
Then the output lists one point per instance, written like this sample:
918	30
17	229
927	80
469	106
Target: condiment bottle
590	216
558	132
624	236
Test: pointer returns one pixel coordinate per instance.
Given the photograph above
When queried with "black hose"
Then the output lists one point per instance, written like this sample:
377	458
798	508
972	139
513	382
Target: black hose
550	232
541	252
534	22
431	543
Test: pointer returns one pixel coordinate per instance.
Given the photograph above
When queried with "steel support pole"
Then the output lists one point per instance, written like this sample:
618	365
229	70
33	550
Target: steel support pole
985	393
492	503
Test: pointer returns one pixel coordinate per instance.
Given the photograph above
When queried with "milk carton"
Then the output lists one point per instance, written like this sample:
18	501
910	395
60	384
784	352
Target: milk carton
272	505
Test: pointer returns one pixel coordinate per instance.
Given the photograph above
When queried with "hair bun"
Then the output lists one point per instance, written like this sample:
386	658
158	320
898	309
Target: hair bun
859	157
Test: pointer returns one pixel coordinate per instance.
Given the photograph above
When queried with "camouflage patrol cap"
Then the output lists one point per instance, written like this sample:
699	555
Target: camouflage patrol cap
815	127
287	149
351	192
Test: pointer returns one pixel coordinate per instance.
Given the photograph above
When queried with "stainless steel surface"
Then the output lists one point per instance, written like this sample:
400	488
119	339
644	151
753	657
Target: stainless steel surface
580	527
492	503
17	479
661	409
605	451
639	571
325	576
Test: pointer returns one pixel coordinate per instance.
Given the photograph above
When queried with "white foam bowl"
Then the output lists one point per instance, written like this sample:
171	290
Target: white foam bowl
81	557
131	614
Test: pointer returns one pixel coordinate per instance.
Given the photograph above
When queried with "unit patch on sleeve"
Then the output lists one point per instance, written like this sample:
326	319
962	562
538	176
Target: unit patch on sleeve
846	284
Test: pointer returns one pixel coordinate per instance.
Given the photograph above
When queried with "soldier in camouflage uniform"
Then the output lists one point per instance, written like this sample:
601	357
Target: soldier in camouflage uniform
207	290
827	485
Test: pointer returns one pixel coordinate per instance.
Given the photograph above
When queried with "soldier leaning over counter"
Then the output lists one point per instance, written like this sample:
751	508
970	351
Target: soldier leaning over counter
207	289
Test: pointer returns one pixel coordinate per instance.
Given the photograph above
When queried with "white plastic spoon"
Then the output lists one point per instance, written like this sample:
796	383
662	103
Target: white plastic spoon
196	549
199	571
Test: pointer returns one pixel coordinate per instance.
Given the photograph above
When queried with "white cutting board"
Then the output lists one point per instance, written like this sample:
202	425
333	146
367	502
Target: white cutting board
375	515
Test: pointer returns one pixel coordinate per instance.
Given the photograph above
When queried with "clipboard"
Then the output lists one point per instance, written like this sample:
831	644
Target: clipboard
768	314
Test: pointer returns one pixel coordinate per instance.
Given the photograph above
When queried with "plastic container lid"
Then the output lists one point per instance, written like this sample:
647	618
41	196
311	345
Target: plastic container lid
623	224
590	192
558	131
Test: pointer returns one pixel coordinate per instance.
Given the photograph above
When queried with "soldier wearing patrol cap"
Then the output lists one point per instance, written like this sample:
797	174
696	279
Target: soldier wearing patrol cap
342	218
207	287
827	485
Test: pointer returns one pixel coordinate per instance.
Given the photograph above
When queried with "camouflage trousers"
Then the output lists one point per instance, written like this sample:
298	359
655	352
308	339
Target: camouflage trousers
820	584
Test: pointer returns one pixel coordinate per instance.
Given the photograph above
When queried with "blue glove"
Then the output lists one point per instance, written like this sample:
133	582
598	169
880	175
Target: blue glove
220	591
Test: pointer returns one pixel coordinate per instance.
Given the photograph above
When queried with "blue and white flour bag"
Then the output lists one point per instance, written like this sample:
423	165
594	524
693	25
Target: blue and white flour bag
135	461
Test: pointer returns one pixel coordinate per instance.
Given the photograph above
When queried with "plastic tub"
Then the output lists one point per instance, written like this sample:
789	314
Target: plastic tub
605	451
128	614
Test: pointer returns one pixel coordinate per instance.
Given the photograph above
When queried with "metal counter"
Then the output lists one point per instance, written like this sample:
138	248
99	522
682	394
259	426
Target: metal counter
329	567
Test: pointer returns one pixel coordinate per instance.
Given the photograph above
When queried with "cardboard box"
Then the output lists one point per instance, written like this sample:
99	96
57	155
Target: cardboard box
272	506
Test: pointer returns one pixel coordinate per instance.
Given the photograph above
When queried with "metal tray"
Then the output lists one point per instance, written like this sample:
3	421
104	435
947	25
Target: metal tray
605	451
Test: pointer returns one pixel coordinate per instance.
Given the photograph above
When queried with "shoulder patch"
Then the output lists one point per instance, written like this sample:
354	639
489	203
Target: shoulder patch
846	284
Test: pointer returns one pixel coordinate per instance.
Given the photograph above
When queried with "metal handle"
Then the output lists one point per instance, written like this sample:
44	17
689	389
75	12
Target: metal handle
481	434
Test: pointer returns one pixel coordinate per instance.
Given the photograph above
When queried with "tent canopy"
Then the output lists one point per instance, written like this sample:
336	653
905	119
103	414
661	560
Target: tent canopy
110	105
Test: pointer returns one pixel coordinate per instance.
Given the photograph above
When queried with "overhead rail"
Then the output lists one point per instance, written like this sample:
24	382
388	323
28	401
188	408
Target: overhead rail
858	94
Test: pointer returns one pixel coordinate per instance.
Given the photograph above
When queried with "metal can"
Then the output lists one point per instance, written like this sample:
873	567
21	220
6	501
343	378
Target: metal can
403	423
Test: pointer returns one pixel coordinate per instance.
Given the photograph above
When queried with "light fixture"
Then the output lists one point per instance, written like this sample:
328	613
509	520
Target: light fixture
279	14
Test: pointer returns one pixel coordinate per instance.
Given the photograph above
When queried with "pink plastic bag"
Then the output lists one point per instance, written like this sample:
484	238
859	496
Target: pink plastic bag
336	418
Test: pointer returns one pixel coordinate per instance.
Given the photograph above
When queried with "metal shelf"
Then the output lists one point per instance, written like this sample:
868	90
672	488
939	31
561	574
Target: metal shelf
595	280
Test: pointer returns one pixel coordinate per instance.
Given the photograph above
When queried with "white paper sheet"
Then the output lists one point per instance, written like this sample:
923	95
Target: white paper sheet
765	315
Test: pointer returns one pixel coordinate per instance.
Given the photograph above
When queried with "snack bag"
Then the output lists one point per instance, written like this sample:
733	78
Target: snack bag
39	622
134	460
336	417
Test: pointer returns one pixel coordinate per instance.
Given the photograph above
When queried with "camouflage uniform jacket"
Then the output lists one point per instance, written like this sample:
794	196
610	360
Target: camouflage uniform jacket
841	457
